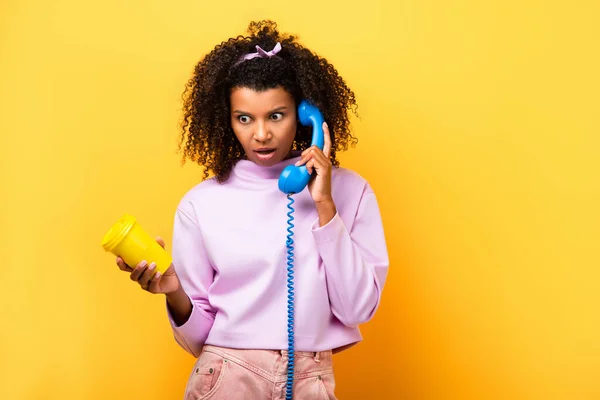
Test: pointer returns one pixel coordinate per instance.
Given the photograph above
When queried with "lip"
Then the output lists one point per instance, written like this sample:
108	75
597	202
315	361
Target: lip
267	156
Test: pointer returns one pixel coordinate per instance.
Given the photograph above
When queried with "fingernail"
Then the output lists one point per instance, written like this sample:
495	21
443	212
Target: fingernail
152	266
157	275
143	263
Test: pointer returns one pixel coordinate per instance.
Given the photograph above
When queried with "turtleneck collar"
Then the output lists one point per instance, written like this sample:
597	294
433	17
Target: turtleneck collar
247	169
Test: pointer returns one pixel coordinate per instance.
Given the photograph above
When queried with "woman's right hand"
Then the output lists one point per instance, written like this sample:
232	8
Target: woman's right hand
148	279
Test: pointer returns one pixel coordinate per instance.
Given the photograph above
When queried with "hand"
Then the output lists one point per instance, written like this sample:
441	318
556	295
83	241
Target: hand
318	160
148	279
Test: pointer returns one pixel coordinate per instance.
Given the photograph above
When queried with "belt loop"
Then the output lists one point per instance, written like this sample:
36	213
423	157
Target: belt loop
316	358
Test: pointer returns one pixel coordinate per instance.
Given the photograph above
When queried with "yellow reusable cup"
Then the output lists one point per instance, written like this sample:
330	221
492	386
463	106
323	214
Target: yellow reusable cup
127	239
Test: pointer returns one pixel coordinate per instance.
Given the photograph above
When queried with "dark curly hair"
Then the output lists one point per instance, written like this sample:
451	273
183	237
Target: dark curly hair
207	136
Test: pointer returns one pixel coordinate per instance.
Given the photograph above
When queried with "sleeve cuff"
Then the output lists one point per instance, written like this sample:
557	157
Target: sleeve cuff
329	232
197	325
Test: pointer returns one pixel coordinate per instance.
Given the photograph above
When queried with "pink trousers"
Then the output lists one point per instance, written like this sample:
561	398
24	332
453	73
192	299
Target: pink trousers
231	374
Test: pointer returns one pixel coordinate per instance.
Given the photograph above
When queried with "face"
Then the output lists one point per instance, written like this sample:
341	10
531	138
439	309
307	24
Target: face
264	123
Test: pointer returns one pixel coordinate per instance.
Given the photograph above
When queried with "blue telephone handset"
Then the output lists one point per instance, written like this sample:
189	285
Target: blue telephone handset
291	181
294	179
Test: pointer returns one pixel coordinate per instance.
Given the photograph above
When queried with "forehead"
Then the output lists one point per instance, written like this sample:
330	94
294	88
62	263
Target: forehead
250	100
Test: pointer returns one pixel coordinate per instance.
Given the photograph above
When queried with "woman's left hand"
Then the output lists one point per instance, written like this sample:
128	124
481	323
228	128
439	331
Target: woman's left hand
319	186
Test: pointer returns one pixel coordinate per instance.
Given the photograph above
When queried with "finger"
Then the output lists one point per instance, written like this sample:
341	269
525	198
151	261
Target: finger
307	150
147	276
319	157
321	167
138	270
154	285
310	166
310	149
307	156
327	140
122	265
160	241
320	161
301	161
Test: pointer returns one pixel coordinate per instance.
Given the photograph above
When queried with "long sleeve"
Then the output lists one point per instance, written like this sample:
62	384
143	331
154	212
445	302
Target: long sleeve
196	275
355	261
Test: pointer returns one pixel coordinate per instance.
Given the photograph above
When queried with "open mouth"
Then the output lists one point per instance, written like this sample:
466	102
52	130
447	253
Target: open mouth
264	151
264	154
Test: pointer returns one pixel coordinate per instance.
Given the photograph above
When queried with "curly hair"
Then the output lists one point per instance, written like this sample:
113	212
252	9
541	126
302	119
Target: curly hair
207	137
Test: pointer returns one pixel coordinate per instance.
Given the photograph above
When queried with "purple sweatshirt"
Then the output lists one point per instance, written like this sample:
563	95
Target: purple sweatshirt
229	251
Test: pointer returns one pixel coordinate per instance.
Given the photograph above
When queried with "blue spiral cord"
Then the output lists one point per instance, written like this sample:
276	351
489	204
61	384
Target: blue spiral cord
290	286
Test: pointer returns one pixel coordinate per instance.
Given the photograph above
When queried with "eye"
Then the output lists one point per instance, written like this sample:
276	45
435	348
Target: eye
244	119
276	116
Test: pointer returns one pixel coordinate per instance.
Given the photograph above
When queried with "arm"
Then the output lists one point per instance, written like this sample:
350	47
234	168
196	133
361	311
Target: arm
180	306
190	314
356	261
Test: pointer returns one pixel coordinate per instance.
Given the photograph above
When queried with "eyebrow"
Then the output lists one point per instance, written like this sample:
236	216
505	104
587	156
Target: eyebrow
270	112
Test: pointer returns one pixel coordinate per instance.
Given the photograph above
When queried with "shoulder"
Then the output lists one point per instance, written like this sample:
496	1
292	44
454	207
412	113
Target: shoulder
349	181
350	191
352	194
197	196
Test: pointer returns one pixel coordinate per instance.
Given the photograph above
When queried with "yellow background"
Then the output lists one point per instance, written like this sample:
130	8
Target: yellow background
479	132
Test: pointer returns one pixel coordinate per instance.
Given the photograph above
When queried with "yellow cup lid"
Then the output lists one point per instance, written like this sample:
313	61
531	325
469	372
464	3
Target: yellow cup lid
117	232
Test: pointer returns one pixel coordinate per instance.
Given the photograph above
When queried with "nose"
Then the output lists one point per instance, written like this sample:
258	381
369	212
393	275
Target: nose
262	133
